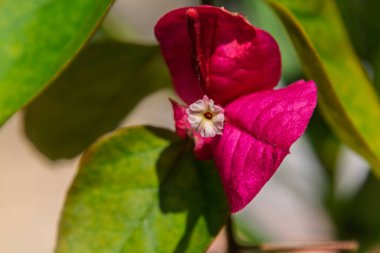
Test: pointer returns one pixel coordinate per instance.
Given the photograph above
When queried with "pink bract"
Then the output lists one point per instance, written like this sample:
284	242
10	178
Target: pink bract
238	58
210	51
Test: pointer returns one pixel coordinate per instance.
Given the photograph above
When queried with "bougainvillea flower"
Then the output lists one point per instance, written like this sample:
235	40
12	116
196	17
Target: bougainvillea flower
225	70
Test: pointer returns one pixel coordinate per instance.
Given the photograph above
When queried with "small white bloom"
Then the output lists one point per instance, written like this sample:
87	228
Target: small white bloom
205	117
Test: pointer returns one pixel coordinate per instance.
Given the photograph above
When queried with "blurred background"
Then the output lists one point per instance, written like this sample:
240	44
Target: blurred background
322	191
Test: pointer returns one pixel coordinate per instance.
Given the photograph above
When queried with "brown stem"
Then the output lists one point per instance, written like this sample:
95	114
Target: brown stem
208	2
233	246
350	246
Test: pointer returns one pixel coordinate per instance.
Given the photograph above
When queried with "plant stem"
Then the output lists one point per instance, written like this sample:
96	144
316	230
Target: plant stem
351	246
324	246
208	2
233	247
329	246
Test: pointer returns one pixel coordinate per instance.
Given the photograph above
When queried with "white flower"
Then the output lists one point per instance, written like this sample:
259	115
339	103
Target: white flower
205	117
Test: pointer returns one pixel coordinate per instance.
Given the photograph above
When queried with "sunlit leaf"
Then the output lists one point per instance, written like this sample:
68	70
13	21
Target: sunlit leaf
37	39
92	96
376	68
140	190
347	99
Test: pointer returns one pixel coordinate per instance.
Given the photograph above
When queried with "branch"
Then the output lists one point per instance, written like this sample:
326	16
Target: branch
207	2
328	246
233	246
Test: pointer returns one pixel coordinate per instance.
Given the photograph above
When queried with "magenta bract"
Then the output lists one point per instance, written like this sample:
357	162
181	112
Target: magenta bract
210	51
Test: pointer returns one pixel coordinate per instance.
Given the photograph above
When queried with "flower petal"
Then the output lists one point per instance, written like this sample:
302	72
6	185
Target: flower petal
180	117
198	106
202	146
195	119
257	137
238	58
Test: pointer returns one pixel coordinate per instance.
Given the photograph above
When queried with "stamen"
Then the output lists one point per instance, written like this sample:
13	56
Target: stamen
194	31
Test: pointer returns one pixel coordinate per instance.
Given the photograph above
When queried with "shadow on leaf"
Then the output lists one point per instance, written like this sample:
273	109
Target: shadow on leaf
90	98
187	185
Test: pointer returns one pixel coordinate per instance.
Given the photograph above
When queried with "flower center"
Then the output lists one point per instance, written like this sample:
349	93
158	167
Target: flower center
208	115
205	117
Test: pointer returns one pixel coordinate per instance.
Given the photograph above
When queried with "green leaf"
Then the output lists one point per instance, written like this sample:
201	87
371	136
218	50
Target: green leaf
359	217
327	147
325	143
92	96
37	39
376	68
140	190
363	22
347	99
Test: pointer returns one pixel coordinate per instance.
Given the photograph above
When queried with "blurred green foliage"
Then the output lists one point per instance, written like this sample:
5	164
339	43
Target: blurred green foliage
37	40
90	98
363	23
356	217
325	143
329	59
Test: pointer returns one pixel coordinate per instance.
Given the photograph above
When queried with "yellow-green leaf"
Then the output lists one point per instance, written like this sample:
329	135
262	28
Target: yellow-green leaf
347	99
37	39
141	190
